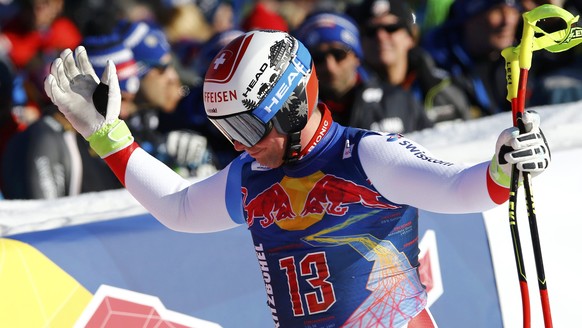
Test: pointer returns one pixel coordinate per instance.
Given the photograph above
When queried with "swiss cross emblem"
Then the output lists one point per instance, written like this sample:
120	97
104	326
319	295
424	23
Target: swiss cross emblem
219	60
225	64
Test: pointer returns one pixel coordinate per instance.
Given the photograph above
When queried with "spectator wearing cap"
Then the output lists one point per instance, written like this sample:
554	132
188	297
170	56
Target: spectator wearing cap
468	45
353	98
160	84
220	15
389	41
186	29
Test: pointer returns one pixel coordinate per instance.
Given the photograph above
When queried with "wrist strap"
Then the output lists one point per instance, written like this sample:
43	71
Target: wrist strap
497	173
111	138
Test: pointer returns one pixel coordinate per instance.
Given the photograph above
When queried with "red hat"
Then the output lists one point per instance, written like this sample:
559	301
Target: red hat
262	18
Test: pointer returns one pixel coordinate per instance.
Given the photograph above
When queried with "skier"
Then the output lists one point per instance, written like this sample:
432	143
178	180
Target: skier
332	210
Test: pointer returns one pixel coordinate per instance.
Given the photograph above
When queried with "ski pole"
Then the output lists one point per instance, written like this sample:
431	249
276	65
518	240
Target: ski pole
512	76
518	62
525	60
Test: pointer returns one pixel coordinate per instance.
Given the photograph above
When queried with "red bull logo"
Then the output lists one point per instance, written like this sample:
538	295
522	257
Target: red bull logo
330	195
272	205
312	197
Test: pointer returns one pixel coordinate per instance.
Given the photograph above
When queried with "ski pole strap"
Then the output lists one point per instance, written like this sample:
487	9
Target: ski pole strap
111	138
497	174
535	38
557	41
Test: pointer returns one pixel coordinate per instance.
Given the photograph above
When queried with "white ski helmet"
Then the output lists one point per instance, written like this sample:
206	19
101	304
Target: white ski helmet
259	80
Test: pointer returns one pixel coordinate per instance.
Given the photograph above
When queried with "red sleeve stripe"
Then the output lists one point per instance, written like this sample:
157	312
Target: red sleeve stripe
498	194
118	161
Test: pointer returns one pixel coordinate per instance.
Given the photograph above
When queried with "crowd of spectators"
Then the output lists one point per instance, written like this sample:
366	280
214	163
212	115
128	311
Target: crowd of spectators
390	65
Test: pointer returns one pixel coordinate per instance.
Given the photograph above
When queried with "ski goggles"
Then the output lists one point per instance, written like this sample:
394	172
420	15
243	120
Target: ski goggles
249	128
245	128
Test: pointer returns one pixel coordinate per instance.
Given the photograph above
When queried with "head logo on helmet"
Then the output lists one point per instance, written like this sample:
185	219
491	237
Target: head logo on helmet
258	79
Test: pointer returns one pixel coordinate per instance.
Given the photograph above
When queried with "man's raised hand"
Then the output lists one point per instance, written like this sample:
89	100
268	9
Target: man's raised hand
91	105
71	85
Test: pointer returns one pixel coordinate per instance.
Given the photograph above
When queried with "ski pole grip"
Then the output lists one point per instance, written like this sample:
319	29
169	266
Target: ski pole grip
510	54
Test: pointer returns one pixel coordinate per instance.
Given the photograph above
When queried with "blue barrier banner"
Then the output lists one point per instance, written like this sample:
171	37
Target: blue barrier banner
215	277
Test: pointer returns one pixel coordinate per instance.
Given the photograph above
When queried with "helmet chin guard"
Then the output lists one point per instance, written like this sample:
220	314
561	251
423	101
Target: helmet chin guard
267	74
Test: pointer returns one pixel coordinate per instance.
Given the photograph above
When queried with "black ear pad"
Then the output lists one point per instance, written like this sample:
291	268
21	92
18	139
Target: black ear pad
292	117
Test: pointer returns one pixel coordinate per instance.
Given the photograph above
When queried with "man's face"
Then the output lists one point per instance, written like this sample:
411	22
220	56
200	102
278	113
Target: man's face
336	67
161	87
386	41
269	151
46	11
491	31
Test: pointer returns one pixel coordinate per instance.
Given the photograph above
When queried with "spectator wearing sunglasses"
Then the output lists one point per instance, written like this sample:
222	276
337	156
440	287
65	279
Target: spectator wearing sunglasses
390	50
346	88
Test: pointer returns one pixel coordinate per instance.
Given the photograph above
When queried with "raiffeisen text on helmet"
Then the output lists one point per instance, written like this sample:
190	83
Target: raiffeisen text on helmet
220	96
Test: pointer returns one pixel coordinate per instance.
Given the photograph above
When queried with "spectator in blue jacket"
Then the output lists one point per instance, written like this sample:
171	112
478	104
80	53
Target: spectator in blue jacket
469	45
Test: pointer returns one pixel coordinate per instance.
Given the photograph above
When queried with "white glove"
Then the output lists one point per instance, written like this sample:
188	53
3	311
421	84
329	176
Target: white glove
92	108
70	86
528	151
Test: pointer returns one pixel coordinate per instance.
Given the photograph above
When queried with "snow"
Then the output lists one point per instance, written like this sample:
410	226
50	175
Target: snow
557	193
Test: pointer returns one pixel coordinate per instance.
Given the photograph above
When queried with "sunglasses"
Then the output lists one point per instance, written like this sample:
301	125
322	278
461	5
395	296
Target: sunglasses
372	30
338	55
